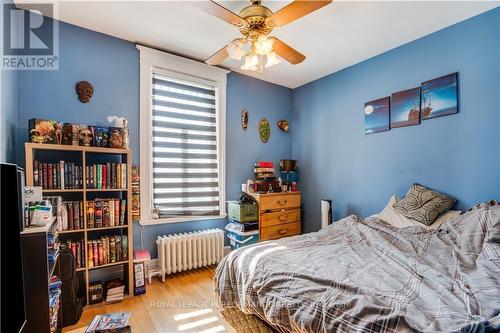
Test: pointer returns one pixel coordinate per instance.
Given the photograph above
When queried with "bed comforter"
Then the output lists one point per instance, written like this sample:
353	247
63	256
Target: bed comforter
366	276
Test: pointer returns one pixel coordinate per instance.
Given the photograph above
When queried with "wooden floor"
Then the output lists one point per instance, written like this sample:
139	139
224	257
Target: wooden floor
184	303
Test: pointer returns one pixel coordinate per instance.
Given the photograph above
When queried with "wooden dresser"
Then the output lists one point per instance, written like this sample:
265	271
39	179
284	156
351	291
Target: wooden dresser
279	214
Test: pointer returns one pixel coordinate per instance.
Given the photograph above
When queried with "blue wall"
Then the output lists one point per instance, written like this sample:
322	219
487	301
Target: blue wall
458	155
112	66
9	108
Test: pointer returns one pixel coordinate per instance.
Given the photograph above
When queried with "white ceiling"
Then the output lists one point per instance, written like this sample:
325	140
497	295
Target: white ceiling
335	37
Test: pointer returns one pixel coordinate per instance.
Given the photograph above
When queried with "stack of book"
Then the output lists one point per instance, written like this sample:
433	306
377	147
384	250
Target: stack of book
107	176
77	248
106	212
57	176
264	171
114	290
106	250
54	301
265	180
71	215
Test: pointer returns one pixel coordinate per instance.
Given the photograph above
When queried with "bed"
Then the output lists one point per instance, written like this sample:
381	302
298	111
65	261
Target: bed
364	275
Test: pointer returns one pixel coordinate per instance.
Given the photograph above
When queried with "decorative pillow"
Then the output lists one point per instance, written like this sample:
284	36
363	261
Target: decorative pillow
423	205
390	216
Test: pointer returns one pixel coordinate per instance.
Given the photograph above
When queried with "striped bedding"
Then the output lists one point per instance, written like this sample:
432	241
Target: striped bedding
366	276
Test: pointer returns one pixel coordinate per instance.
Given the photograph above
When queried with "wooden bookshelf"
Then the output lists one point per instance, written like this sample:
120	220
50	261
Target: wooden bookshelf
32	149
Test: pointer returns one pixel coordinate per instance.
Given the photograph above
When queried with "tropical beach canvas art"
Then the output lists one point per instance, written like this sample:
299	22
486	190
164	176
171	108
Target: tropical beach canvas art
377	116
405	108
440	96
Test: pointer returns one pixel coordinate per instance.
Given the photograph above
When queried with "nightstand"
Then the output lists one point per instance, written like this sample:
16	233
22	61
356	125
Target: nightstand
279	214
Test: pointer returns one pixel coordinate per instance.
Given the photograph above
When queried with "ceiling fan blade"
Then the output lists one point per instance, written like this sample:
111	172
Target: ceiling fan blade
295	10
287	52
213	8
218	57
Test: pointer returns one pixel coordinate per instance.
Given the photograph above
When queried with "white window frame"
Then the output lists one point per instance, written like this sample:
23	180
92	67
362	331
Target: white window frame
173	66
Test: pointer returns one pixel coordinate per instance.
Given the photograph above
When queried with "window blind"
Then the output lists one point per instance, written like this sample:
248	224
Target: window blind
185	154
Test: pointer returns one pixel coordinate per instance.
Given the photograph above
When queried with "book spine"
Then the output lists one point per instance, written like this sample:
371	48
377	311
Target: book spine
49	176
61	176
78	255
111	204
117	211
70	215
95	253
108	175
124	175
123	209
76	215
112	250
99	251
90	254
90	214
119	175
35	173
125	247
118	248
98	213
82	216
105	213
45	176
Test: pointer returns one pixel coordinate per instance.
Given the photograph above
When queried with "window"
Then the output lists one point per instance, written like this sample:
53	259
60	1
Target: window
182	139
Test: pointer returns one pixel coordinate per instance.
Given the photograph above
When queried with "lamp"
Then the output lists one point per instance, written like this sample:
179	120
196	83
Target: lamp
272	59
235	49
251	62
263	45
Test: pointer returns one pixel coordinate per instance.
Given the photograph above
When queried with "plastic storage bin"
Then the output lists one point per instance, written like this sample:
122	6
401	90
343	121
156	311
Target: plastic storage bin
242	211
239	239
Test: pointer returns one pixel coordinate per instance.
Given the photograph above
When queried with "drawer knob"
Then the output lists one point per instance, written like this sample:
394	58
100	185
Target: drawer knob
282	231
283	217
282	202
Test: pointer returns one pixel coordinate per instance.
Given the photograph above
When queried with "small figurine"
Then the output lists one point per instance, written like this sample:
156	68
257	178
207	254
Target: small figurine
85	91
115	137
58	127
85	136
125	134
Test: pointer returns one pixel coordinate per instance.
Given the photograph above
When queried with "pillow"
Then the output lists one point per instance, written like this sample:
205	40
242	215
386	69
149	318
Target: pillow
392	217
423	205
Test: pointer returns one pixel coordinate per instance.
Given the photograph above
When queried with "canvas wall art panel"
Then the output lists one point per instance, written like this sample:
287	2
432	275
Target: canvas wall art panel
440	96
405	108
377	117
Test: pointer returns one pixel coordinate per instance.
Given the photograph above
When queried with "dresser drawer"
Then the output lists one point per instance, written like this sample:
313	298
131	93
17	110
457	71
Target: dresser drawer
279	202
280	230
283	216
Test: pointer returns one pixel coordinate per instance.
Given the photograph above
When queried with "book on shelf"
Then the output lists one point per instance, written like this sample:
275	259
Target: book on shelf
115	290
106	176
57	176
107	249
78	250
96	292
71	215
106	212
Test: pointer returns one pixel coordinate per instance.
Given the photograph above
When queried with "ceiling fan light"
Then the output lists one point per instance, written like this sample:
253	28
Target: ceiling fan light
263	45
251	62
235	49
272	59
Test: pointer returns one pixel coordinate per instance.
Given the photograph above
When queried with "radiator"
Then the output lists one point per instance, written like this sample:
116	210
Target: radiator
182	252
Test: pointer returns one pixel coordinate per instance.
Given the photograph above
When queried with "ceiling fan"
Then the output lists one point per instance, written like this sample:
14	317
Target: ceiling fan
255	23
